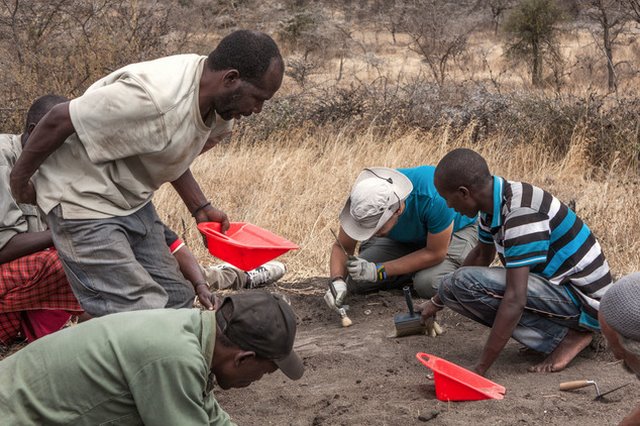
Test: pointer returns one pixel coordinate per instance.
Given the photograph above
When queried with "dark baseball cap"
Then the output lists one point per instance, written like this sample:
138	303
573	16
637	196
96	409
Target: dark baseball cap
264	323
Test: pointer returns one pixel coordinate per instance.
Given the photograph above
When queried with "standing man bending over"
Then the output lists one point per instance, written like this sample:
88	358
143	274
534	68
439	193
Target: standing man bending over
548	293
101	156
409	234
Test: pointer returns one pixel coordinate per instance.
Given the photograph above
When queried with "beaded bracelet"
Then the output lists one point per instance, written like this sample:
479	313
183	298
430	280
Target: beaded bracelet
382	273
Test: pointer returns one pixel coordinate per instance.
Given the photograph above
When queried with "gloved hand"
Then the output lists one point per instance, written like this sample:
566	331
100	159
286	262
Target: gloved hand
341	292
363	270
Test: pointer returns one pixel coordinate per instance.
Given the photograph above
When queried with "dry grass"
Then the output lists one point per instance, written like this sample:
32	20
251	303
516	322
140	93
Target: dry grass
584	69
295	182
295	185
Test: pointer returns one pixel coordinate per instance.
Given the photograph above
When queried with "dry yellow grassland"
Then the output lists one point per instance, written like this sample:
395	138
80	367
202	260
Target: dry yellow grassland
295	185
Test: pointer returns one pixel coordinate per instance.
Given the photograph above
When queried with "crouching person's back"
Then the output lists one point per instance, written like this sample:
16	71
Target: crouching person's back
149	367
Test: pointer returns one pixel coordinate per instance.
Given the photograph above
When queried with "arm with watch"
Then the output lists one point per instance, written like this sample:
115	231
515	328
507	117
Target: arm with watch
434	252
343	263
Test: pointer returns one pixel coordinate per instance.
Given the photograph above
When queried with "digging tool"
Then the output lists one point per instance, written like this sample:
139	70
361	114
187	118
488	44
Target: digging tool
577	384
347	255
346	322
601	396
408	324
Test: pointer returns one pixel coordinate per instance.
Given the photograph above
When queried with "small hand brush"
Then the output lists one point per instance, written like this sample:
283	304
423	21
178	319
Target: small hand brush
346	322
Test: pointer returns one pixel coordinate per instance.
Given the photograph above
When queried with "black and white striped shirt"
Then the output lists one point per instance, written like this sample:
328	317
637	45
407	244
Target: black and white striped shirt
533	228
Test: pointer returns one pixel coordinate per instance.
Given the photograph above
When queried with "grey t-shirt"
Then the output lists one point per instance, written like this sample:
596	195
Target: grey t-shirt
137	128
14	218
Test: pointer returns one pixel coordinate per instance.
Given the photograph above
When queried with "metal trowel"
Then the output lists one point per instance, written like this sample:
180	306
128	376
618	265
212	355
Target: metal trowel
408	324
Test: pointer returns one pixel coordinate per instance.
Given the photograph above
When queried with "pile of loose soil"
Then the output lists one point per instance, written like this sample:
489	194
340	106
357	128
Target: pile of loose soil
359	375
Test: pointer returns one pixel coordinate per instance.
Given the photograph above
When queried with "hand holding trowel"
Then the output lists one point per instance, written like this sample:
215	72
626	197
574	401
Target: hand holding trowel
412	323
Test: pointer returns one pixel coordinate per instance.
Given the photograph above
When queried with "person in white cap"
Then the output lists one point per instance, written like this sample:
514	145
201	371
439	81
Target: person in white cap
408	234
619	318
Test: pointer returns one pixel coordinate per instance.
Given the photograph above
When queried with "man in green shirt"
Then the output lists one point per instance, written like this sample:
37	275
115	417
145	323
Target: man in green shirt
149	367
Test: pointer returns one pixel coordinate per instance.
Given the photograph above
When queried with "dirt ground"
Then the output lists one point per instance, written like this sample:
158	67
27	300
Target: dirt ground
358	375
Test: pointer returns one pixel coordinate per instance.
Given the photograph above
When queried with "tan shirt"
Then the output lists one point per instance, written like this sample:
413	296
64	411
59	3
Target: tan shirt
137	128
14	218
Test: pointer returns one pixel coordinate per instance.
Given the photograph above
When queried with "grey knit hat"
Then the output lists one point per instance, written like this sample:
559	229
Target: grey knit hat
620	306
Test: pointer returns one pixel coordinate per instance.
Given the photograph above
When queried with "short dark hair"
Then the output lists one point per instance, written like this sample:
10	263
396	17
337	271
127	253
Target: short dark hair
249	52
41	106
462	167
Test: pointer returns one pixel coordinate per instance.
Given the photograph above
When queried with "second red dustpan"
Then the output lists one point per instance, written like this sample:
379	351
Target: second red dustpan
454	383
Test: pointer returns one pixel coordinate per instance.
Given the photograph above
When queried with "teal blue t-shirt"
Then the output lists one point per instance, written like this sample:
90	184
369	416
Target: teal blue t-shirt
425	210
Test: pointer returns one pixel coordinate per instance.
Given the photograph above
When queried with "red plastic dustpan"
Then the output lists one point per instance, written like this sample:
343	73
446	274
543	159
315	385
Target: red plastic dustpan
245	245
454	383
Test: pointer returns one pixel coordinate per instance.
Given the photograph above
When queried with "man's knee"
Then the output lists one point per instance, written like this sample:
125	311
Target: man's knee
445	287
455	283
470	279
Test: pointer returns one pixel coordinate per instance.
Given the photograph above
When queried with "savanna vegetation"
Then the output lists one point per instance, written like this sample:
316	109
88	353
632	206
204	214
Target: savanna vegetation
546	90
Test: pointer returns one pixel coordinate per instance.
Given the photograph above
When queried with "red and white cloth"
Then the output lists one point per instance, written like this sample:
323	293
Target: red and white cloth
35	297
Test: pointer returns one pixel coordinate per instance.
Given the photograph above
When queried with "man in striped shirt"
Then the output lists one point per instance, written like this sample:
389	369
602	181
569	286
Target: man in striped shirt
547	294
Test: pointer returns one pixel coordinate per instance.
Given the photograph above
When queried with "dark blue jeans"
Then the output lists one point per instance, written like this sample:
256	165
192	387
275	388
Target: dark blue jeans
120	263
476	292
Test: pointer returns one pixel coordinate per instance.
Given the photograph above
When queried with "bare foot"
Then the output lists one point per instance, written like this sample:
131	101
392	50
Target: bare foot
572	344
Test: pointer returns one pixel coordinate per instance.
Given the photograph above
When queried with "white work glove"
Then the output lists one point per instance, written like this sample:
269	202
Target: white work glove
341	292
363	270
433	328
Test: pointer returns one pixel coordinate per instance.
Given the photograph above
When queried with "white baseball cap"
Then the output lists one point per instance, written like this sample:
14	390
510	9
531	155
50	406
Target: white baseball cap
374	198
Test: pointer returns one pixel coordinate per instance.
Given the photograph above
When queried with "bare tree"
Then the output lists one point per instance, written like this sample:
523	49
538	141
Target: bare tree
498	9
306	30
533	26
392	17
439	33
300	69
611	17
61	46
633	9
